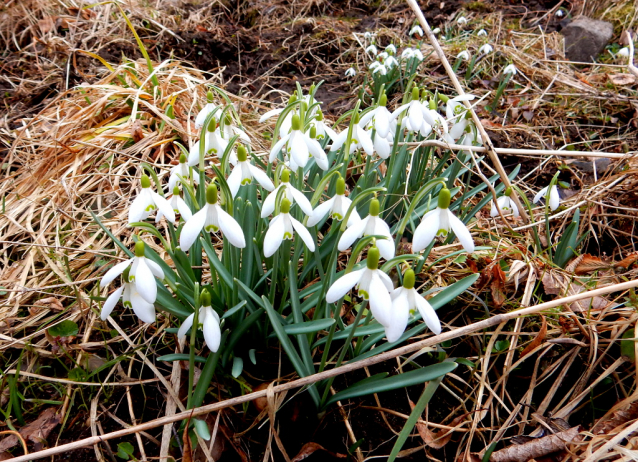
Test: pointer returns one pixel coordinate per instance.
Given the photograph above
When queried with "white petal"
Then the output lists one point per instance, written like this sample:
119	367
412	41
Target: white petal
193	155
299	149
462	233
554	198
399	317
514	208
428	314
164	206
269	114
343	285
366	141
330	132
142	309
274	236
339	140
234	180
212	332
138	207
382	122
303	234
186	325
398	111
155	268
231	229
268	207
183	209
114	272
277	147
380	301
301	200
261	178
426	231
320	212
540	195
415	115
382	147
145	282
494	210
386	247
110	303
387	282
191	229
320	156
351	234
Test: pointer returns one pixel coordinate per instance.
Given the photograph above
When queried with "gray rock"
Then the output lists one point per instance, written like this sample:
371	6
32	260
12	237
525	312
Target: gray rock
585	38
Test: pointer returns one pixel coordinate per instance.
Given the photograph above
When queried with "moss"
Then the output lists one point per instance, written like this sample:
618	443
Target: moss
478	6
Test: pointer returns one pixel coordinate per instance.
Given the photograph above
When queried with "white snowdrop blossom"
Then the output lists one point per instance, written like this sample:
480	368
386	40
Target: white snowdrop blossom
407	53
371	225
208	322
416	29
244	172
300	146
461	21
510	69
290	192
382	56
439	222
559	13
360	139
180	172
322	129
211	218
283	227
436	31
384	127
146	202
405	301
209	108
381	69
391	49
214	142
554	197
141	291
417	114
229	130
464	55
178	205
455	113
336	206
486	49
482	33
372	284
623	52
506	204
368	35
390	62
372	50
351	72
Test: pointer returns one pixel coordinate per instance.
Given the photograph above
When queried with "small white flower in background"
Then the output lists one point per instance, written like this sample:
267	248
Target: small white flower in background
244	172
381	69
406	300
391	49
211	218
146	202
372	284
368	35
369	226
282	227
208	322
623	52
461	21
408	53
337	207
210	107
510	69
291	193
482	33
375	64
506	204
486	49
372	50
436	31
382	56
214	142
322	128
178	205
351	72
559	13
180	172
554	197
455	112
141	291
360	139
418	55
439	222
300	146
464	55
416	29
390	62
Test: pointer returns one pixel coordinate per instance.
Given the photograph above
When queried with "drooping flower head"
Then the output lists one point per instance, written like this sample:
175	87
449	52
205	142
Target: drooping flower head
371	225
506	204
337	207
290	192
439	222
300	145
244	172
146	202
351	72
486	49
178	205
482	33
283	227
209	108
510	69
554	197
463	55
207	321
416	29
180	172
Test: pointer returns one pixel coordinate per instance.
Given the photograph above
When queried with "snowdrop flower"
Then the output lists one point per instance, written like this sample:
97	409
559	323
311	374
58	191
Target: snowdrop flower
290	192
379	118
360	139
286	124
390	62
180	172
368	35
415	112
391	49
416	29
244	172
214	142
623	52
464	55
210	107
283	227
211	218
510	69
382	56
436	31
455	113
439	222
322	129
372	50
559	13
141	274
300	146
482	33
408	53
132	299
148	201
486	49
381	69
554	197
405	301
208	322
351	72
506	204
372	284
369	226
178	205
418	55
461	21
337	207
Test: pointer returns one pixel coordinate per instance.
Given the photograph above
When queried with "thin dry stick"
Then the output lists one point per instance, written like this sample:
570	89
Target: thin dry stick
600	453
476	327
477	122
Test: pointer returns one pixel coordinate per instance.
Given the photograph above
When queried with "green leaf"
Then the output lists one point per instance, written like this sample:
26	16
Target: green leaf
125	450
201	427
309	327
565	250
234	309
238	366
627	344
78	375
66	328
424	374
180	357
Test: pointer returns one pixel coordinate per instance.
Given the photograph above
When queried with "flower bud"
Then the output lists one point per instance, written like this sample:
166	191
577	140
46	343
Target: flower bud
228	120
319	115
508	191
285	176
432	104
146	181
211	194
139	248
374	207
373	258
444	198
285	205
415	93
341	186
209	96
443	97
409	279
296	122
204	298
313	132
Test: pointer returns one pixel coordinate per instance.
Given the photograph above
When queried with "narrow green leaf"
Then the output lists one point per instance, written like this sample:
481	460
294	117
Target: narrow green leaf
180	357
309	327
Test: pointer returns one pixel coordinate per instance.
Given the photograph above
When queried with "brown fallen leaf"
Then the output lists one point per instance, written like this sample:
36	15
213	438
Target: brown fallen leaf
187	452
555	283
310	448
439	439
538	339
497	285
36	431
622	79
537	448
626	262
47	24
607	424
584	264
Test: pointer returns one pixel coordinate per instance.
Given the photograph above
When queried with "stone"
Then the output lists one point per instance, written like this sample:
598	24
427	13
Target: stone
585	38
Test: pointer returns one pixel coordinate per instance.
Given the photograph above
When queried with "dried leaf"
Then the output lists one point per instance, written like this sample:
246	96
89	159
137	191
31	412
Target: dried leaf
586	263
607	424
537	448
310	448
439	439
47	24
497	285
622	79
627	261
555	283
538	339
187	453
36	432
528	115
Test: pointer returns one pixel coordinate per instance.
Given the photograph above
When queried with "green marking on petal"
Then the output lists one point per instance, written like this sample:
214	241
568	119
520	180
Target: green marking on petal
363	294
336	216
246	181
127	305
150	208
441	232
287	235
211	229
